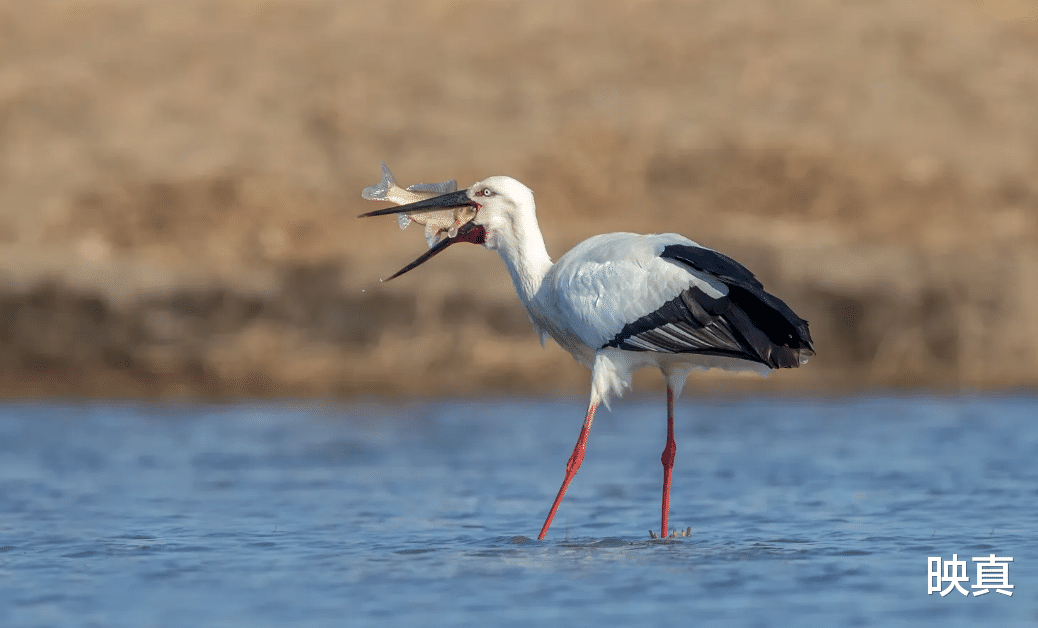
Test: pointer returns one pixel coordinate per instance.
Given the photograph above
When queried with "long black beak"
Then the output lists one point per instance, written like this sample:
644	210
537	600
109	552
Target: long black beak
468	232
444	201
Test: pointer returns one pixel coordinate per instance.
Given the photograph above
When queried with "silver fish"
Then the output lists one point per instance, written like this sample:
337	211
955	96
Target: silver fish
439	224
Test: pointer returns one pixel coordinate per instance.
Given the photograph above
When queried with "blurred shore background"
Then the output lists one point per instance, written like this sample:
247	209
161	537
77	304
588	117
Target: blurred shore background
179	185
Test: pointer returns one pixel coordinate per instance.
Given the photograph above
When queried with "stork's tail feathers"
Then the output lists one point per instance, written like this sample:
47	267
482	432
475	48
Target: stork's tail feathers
782	342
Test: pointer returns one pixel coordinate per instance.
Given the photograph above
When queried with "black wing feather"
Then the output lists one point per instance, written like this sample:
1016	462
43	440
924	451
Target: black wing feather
749	323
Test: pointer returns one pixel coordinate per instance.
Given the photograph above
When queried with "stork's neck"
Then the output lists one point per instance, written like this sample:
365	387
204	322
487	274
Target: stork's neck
526	258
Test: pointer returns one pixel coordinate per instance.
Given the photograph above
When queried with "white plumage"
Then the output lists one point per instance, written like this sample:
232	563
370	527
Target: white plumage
608	281
619	302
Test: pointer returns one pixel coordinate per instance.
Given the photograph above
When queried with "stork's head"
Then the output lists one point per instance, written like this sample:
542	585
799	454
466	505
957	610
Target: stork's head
504	212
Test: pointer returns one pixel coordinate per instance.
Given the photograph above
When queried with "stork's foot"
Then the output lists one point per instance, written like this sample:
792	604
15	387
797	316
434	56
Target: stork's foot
673	533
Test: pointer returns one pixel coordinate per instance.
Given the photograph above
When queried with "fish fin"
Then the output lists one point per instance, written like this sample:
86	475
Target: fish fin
444	187
381	191
432	235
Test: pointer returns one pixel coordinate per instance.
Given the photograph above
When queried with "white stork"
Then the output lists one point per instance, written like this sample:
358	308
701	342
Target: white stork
622	301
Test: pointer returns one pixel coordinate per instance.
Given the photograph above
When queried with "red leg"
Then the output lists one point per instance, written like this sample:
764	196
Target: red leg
668	461
571	467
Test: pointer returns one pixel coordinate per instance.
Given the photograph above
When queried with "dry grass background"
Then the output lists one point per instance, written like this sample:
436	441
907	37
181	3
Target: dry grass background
179	183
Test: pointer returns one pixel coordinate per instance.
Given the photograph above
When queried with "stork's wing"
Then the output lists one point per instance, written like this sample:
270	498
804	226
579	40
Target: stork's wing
684	325
786	340
666	294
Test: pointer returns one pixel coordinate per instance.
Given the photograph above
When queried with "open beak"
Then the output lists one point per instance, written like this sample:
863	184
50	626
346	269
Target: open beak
468	232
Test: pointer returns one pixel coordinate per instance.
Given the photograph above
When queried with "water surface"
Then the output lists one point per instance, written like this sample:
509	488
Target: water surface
425	514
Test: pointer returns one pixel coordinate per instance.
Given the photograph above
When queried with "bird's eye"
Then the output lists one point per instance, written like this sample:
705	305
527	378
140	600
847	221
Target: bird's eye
486	192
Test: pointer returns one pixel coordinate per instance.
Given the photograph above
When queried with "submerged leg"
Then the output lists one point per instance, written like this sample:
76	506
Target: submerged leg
668	461
571	467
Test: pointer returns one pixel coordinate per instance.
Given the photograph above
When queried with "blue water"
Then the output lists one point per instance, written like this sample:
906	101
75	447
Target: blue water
803	513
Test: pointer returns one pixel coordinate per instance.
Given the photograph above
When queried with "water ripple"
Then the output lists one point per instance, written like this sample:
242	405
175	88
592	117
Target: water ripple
266	515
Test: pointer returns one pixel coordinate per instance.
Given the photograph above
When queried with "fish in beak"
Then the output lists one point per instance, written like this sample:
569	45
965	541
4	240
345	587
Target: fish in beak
437	223
463	228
